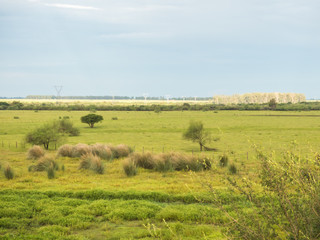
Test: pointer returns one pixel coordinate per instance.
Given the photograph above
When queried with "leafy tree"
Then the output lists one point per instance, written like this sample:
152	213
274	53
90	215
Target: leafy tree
196	133
91	119
44	135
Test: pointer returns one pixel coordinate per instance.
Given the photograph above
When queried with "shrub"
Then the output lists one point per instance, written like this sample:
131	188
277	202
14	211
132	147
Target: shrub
8	172
91	119
114	118
16	117
66	126
43	164
92	162
223	160
129	167
80	149
35	152
233	168
102	151
65	151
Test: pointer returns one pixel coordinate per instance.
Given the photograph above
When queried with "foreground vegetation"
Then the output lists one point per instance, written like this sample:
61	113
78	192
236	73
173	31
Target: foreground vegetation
78	203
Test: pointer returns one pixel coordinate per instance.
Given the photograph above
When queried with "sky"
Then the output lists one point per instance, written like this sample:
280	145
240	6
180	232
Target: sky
159	47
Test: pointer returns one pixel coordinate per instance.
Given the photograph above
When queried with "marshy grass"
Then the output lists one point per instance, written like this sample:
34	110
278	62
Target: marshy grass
35	152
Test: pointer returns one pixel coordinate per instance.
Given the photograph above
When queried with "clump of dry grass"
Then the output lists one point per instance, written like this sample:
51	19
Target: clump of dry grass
101	150
65	151
144	160
129	167
35	152
8	172
43	164
80	149
92	162
122	150
170	161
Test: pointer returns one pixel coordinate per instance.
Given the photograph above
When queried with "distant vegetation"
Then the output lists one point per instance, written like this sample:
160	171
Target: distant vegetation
61	106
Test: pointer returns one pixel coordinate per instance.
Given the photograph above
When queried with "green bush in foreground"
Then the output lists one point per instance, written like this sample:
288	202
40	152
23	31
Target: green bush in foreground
286	205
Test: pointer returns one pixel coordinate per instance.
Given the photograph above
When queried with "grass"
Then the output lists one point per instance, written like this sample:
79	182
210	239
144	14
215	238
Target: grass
65	207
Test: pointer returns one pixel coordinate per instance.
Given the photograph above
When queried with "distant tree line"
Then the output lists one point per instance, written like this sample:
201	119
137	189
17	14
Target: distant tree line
259	98
302	106
115	97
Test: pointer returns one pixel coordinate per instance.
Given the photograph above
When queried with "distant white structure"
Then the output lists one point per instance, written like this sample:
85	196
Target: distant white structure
259	98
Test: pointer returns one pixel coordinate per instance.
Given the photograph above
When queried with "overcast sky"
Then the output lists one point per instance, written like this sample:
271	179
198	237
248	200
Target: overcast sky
159	47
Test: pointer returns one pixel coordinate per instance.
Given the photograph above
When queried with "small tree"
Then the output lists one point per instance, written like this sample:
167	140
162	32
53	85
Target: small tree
44	135
91	119
196	133
273	104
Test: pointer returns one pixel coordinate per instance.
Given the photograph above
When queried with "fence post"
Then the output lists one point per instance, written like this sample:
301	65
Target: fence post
163	149
142	149
247	155
55	146
16	144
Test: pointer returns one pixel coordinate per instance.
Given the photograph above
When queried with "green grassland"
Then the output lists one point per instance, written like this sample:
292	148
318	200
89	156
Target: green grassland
79	204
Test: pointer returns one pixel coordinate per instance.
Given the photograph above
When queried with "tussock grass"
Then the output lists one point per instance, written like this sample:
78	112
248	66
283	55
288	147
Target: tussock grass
80	149
170	161
104	151
35	152
65	151
43	164
129	167
101	150
8	172
92	162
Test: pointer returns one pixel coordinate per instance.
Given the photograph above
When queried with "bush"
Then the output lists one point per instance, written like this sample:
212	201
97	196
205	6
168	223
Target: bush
223	160
8	172
114	118
35	152
92	162
16	117
129	167
66	126
65	151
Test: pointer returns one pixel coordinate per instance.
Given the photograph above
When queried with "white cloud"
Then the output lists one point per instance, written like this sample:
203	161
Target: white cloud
70	6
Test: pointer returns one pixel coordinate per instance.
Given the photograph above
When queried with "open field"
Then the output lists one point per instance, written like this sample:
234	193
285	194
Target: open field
79	204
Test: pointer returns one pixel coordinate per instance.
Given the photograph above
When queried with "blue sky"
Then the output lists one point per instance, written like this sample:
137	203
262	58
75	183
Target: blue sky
159	47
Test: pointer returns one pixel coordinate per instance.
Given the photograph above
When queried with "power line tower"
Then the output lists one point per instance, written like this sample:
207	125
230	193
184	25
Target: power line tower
58	90
168	98
145	95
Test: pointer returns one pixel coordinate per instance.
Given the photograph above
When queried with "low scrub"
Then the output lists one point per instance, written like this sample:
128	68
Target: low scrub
35	152
65	151
92	162
80	149
101	150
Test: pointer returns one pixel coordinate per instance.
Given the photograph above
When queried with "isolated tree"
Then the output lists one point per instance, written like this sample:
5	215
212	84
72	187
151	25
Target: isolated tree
44	135
196	133
273	104
91	119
